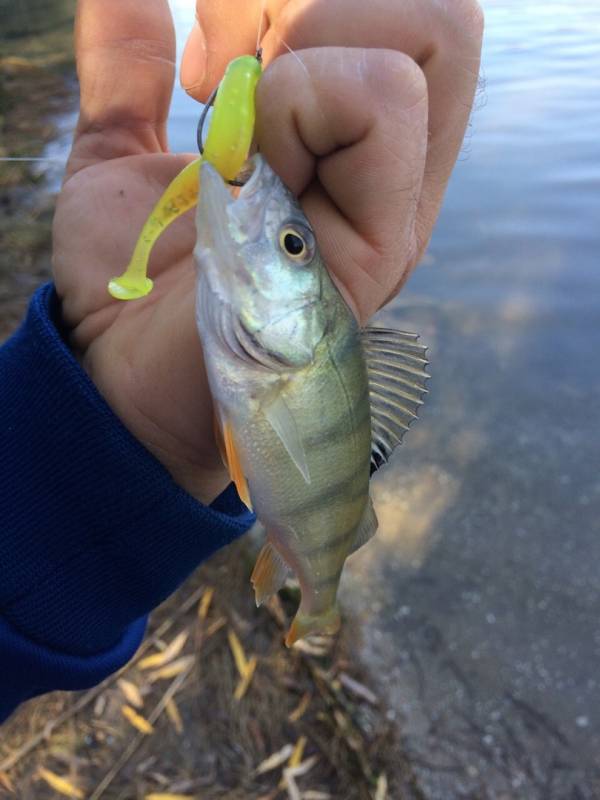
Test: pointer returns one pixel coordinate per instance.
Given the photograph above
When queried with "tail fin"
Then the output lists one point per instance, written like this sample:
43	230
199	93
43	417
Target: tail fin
305	624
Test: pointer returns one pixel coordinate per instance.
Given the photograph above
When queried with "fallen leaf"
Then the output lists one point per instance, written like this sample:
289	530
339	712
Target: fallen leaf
214	627
245	681
131	692
100	705
168	654
340	719
300	709
275	760
6	781
239	656
310	649
290	784
294	762
358	688
296	756
174	715
60	785
139	722
382	787
302	768
171	670
167	796
205	602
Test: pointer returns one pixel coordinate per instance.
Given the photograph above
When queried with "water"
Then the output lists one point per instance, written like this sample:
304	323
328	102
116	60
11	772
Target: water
483	588
480	596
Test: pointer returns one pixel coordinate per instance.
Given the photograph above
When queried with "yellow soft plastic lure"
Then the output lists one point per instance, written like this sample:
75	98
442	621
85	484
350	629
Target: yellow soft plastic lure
227	145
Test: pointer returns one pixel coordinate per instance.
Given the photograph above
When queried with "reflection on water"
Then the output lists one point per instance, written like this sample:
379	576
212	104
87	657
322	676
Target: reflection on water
408	514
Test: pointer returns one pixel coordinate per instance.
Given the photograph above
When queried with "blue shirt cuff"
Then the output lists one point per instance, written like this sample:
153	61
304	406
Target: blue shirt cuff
94	531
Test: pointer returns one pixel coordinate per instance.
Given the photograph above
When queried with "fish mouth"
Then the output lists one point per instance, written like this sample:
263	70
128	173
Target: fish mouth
256	175
223	221
225	224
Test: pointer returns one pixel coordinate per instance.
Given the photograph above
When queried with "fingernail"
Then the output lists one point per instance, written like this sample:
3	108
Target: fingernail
194	61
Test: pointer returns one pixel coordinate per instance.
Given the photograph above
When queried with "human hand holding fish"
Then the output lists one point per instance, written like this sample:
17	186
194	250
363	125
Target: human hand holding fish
344	122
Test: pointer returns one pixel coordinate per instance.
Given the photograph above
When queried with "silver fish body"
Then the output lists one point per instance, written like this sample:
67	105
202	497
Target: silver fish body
287	369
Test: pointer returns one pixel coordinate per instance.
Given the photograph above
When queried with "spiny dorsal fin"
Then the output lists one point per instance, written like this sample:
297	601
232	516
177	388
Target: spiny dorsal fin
233	464
269	574
396	366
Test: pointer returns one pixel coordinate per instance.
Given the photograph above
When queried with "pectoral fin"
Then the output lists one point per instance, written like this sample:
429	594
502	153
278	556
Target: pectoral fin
229	454
396	367
283	423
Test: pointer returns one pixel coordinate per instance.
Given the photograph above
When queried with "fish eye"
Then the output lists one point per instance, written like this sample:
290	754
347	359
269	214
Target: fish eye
296	244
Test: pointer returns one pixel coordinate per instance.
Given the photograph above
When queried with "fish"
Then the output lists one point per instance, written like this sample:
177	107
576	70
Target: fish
307	403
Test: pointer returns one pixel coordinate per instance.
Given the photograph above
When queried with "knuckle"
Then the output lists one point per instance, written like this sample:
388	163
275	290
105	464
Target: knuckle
280	74
393	73
470	16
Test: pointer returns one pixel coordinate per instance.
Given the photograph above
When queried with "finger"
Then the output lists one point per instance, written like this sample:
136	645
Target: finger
223	30
357	120
125	63
443	38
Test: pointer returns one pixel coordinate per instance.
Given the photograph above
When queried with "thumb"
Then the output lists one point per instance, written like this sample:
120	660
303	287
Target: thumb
223	30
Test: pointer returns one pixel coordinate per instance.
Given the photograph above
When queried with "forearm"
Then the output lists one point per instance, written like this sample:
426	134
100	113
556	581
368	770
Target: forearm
94	533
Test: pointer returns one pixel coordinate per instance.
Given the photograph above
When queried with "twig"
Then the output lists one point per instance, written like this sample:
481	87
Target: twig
14	758
139	737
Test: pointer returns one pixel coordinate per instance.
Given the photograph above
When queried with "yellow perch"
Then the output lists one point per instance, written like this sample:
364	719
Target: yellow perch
308	404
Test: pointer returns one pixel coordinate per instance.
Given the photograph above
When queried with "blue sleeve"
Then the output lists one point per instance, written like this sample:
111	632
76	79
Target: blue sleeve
94	533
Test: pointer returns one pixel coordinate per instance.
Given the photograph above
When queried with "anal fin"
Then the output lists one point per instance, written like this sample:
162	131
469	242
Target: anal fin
367	528
269	574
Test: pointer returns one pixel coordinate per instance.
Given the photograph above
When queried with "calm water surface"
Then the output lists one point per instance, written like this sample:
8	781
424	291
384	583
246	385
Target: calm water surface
480	596
483	588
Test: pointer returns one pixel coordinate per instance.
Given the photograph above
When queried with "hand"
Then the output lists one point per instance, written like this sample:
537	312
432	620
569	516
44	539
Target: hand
365	126
347	130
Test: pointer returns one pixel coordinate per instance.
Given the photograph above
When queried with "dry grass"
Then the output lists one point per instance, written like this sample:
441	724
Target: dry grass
204	742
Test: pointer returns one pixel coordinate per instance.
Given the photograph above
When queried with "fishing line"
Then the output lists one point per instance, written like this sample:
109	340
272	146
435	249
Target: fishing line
293	52
260	24
25	158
